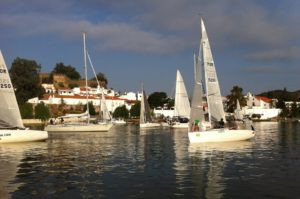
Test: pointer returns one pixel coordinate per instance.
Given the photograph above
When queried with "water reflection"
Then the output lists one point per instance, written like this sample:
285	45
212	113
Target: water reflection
11	159
155	163
215	158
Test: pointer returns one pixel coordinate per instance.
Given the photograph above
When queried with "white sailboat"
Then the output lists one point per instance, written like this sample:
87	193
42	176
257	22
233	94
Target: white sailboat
80	126
214	100
182	106
11	125
104	114
146	120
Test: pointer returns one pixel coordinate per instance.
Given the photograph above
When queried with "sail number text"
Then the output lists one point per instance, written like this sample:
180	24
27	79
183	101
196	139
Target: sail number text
5	86
211	79
2	70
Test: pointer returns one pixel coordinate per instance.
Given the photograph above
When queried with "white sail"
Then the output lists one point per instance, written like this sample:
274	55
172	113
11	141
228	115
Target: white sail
10	116
182	103
81	115
238	111
197	112
145	115
213	94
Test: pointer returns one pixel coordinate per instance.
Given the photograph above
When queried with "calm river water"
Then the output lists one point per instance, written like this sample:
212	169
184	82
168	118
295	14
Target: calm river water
129	163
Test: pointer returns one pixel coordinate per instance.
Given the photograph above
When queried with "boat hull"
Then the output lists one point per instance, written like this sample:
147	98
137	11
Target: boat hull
79	127
149	125
178	125
220	135
22	135
119	122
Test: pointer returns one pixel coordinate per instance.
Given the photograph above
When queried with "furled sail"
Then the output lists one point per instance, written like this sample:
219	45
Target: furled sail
10	116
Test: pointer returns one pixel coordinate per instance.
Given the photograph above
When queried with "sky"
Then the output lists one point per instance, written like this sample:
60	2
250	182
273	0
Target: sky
255	43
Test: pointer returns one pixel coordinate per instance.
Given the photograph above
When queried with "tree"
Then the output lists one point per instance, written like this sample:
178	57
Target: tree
68	71
236	94
91	108
102	79
25	78
157	99
281	105
170	102
73	85
294	110
42	112
26	111
121	112
135	110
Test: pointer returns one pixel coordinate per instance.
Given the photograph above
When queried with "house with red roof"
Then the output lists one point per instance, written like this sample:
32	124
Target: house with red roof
260	106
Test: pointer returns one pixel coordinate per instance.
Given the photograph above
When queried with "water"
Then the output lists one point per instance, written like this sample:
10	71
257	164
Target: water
128	163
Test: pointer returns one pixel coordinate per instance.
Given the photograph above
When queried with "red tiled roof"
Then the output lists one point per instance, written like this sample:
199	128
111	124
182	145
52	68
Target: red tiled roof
265	99
76	96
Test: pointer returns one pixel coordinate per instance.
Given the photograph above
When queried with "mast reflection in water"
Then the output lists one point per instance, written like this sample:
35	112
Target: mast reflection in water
153	163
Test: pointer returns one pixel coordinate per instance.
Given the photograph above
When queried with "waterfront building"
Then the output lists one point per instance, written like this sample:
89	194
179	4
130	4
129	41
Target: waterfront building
260	106
77	97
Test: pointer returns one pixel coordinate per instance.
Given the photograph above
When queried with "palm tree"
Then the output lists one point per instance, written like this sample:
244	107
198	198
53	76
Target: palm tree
236	94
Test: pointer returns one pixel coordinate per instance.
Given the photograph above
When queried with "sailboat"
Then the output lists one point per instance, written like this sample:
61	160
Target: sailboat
11	125
104	114
182	106
146	120
214	101
80	126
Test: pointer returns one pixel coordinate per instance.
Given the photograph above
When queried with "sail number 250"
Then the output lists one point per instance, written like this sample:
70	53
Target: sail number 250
5	86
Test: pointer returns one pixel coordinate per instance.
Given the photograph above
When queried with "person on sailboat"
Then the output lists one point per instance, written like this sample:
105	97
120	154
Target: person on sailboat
221	123
196	125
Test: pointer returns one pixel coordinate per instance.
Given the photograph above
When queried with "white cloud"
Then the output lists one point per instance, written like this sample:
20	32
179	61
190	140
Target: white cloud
156	26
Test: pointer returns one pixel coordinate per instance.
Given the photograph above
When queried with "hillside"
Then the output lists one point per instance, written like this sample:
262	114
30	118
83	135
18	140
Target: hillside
282	94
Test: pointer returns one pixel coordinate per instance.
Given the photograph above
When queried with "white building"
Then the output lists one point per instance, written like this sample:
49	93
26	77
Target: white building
77	96
259	105
49	88
163	112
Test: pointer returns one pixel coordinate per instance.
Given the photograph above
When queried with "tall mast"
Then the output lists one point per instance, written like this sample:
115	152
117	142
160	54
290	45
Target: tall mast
86	82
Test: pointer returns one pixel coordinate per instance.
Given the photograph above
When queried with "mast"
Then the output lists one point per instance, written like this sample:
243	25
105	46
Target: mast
86	82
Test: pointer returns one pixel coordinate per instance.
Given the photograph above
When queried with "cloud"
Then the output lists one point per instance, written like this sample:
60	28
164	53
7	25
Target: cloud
284	54
280	70
169	26
262	70
115	36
